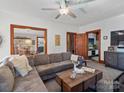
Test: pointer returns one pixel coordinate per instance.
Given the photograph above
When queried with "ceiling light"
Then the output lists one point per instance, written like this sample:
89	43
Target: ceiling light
64	11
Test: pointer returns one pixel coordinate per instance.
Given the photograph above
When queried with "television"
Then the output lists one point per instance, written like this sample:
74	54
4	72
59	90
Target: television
117	38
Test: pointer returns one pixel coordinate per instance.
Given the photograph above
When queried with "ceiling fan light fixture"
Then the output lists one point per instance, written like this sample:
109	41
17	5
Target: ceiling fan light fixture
64	11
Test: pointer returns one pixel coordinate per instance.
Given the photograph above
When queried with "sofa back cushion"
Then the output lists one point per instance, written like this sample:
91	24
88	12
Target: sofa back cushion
55	57
41	59
31	60
66	56
6	79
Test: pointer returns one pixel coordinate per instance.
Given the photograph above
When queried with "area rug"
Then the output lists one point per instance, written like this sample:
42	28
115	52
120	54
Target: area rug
104	85
109	74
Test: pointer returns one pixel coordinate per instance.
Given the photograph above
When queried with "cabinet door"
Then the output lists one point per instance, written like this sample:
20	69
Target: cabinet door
121	61
111	59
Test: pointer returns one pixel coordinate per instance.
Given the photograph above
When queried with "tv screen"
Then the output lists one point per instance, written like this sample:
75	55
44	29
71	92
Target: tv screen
117	38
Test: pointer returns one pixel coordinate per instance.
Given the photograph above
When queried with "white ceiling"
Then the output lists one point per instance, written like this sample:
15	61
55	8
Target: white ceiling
96	10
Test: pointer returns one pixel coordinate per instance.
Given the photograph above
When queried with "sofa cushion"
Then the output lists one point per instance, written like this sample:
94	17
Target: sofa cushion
45	69
41	59
6	79
67	62
48	76
53	67
30	83
66	56
63	65
55	57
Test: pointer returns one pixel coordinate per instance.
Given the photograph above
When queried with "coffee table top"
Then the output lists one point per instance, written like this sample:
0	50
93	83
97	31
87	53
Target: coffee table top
65	77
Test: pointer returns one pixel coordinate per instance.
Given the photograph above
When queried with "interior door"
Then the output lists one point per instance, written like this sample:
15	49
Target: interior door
81	45
71	42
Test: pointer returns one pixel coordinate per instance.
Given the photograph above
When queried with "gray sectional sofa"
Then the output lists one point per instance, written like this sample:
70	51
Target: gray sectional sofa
48	65
44	67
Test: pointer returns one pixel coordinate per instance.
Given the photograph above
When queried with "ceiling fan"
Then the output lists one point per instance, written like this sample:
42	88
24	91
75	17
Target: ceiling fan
65	7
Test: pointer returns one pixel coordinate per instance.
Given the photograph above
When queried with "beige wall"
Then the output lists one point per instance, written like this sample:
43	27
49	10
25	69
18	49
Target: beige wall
53	28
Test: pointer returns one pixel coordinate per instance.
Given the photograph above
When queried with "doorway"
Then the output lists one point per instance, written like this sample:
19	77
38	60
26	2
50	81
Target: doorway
94	42
28	40
71	42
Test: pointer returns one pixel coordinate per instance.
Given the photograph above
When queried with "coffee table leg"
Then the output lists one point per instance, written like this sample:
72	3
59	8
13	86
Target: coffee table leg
61	86
95	86
94	89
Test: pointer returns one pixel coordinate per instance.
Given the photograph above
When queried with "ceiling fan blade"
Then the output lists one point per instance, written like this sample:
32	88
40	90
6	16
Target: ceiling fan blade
49	9
86	1
80	4
83	10
75	2
71	14
57	16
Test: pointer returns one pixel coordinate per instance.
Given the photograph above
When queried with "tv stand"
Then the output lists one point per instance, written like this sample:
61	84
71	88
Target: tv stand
114	59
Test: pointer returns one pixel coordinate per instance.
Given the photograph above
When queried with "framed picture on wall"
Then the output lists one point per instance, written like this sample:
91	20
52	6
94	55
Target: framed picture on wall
57	40
111	49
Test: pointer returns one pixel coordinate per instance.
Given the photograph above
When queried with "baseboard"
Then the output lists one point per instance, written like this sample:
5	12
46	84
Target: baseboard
101	62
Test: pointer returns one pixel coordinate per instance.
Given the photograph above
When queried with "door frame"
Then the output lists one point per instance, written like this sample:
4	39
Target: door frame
13	26
74	40
99	44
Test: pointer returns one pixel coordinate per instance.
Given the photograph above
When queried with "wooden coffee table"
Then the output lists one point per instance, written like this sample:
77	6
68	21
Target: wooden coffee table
81	83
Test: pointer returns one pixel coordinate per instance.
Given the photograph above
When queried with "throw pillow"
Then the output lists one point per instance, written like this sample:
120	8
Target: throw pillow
6	79
21	64
74	57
